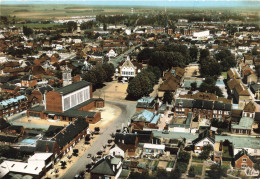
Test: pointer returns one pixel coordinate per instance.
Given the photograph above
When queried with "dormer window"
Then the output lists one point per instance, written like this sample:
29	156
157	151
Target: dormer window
180	103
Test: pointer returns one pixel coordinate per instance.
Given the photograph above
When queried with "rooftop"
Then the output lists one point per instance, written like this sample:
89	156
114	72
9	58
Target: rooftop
73	87
244	123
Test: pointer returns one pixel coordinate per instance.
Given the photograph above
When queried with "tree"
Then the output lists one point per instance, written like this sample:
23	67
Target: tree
27	31
226	59
71	26
193	86
144	54
75	152
105	27
63	164
193	52
204	53
191	172
204	155
167	97
254	51
110	70
216	172
184	157
97	129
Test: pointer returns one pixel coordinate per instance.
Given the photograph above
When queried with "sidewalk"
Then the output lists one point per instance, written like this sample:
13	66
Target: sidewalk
82	149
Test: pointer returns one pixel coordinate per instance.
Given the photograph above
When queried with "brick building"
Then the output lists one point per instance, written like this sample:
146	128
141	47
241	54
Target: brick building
12	106
243	159
68	103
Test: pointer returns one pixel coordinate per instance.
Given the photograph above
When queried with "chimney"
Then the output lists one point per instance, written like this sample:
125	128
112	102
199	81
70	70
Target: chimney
221	145
47	148
210	133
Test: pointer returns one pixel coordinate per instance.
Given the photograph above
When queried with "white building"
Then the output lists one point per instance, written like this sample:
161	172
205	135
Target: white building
201	34
153	149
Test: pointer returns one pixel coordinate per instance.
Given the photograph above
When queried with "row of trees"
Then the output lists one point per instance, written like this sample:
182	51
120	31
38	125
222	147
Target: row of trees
142	84
100	74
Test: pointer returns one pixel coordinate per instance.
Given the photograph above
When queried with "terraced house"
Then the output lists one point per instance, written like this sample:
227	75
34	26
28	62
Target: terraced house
202	108
12	106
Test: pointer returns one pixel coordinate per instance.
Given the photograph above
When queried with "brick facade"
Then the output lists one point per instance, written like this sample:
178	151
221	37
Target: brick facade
54	101
243	161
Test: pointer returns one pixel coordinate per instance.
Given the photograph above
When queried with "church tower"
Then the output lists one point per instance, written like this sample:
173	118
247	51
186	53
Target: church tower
66	76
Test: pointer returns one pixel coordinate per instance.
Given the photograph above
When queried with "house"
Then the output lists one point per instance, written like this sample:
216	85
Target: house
144	119
10	88
66	138
232	74
203	109
248	59
248	76
218	151
111	53
244	126
38	94
130	140
249	110
147	103
205	138
239	92
128	69
250	144
153	149
118	150
28	81
242	160
255	89
181	127
107	167
69	103
13	106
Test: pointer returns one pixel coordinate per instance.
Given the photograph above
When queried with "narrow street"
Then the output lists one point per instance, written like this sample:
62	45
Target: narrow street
127	111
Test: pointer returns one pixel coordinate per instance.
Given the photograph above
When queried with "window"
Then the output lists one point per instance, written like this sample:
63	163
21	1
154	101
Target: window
66	103
220	112
244	159
215	111
205	143
243	165
255	151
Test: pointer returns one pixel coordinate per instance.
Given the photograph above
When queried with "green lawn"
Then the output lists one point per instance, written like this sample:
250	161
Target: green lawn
198	169
38	25
226	155
224	74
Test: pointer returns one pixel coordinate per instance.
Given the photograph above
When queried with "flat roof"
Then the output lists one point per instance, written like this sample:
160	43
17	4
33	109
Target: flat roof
40	156
154	146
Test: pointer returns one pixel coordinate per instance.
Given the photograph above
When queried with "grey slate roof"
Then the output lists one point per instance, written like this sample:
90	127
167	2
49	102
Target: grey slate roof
65	136
128	138
203	135
203	104
41	145
73	87
104	167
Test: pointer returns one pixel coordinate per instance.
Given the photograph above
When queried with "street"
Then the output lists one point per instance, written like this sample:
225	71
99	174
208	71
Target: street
127	110
118	59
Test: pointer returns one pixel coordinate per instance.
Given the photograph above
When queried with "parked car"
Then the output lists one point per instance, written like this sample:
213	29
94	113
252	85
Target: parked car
89	156
165	132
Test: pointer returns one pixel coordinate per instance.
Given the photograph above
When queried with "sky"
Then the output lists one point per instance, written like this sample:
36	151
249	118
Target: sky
160	3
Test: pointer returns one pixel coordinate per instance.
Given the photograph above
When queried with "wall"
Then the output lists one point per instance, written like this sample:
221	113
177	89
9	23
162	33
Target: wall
53	101
239	162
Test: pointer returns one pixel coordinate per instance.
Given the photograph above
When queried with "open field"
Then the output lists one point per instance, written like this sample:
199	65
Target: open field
58	11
